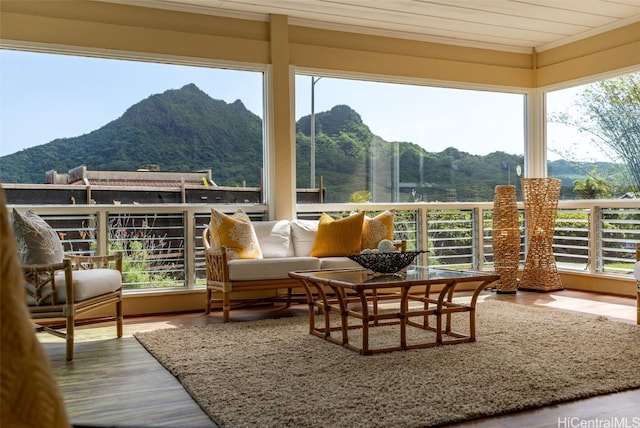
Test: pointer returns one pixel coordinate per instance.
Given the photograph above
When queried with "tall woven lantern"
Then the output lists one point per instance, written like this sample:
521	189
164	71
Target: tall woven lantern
506	238
540	206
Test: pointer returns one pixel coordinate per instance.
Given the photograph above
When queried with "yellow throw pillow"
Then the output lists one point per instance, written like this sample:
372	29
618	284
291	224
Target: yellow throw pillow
236	234
377	228
338	237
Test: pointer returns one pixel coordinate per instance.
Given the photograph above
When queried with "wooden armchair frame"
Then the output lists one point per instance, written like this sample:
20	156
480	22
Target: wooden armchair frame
44	292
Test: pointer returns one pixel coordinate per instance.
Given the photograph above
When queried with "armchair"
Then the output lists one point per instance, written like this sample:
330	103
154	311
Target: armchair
60	287
63	291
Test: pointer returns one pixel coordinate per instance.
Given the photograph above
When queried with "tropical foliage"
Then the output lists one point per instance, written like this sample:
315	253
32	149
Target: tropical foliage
609	113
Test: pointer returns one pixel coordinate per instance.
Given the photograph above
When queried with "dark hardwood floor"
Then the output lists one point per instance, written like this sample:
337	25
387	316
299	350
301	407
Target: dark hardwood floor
116	382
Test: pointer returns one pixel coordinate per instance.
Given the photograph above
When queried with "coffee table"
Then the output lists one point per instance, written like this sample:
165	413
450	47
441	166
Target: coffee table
355	296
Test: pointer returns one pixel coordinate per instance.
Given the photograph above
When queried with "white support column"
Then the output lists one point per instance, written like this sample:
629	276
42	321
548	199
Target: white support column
281	98
189	248
535	146
268	171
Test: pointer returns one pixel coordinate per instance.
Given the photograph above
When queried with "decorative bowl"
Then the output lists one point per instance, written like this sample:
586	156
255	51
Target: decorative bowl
385	262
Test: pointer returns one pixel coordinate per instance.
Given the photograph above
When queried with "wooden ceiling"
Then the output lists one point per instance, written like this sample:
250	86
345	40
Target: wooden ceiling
509	25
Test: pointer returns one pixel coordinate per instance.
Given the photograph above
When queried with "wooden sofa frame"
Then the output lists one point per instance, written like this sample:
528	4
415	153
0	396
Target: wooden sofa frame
217	273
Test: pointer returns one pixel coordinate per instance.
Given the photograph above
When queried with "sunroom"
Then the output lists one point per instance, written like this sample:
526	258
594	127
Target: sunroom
290	47
289	51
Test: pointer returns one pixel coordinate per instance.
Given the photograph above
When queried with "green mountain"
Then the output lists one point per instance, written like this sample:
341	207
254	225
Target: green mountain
187	130
181	130
345	147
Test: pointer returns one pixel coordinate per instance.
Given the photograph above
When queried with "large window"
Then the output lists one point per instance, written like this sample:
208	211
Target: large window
386	142
58	112
593	143
593	146
114	117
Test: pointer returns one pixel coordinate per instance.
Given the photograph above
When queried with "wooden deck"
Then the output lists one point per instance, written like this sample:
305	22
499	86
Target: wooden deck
115	382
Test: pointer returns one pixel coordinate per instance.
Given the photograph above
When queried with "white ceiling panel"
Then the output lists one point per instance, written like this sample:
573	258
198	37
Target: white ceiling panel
513	25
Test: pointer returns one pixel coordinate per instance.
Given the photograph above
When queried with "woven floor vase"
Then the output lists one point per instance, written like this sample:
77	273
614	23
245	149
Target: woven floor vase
506	238
540	207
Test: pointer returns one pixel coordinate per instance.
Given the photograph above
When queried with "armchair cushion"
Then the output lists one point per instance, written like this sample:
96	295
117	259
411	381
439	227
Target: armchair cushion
37	242
86	284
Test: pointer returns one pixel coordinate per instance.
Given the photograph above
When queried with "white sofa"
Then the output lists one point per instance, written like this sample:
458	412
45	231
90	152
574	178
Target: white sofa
285	247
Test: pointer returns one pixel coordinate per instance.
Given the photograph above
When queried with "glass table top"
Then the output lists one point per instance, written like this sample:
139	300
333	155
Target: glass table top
417	275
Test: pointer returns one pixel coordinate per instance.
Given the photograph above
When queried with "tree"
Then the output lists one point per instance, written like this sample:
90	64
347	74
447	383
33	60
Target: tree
609	112
360	196
592	188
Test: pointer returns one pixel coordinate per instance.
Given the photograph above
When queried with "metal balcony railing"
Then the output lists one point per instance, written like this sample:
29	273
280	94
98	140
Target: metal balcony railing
162	244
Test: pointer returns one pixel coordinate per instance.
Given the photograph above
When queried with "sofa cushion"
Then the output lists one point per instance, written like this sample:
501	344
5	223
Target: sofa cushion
37	242
274	268
274	238
636	271
86	284
303	235
338	237
377	228
337	263
236	233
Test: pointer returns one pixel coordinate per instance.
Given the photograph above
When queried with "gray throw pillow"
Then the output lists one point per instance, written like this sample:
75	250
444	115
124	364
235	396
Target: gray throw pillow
37	242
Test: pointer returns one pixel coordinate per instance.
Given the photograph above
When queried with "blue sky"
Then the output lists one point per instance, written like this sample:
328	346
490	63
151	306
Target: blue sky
47	96
435	118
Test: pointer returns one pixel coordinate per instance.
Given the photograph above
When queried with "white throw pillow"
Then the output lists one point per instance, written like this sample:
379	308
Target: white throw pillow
303	234
37	242
274	237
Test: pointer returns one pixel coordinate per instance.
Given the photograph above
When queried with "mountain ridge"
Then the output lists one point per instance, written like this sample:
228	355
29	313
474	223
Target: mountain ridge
186	130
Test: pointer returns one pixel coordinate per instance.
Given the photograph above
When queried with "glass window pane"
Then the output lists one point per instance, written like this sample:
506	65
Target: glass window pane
593	141
388	142
62	111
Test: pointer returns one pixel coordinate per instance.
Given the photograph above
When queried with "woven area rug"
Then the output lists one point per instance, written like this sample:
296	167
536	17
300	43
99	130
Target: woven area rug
272	373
